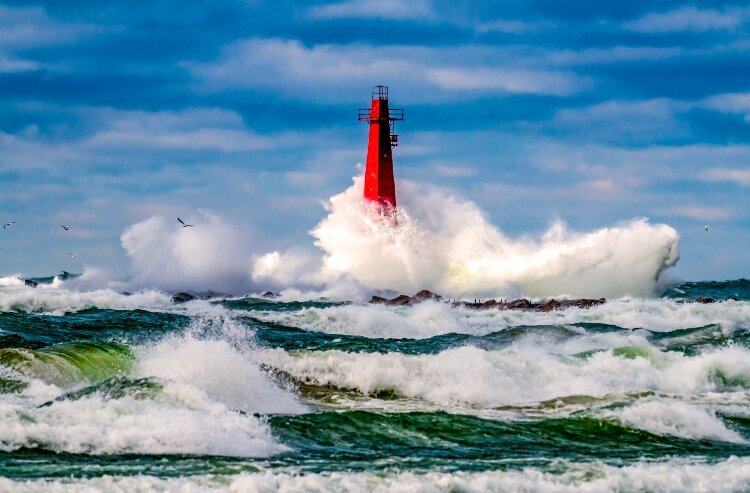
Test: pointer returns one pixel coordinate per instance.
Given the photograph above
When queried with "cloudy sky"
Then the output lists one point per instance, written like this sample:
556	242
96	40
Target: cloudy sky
593	112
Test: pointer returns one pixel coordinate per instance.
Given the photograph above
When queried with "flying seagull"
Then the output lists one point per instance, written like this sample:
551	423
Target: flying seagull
8	224
72	255
706	227
64	227
184	225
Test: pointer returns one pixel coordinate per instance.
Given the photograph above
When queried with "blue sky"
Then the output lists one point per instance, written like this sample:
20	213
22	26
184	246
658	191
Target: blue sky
593	112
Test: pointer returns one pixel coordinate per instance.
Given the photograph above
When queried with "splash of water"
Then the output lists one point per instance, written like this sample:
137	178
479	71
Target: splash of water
211	255
448	245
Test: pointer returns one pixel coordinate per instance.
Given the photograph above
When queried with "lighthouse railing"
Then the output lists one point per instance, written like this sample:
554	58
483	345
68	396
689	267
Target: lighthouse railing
365	115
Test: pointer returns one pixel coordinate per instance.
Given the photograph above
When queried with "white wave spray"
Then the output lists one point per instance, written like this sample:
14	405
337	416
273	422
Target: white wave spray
211	255
448	245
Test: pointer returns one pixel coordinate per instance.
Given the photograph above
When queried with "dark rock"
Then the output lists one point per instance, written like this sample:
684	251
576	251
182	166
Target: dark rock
399	300
522	304
588	303
705	300
126	293
182	297
212	295
425	295
28	282
403	299
270	294
552	304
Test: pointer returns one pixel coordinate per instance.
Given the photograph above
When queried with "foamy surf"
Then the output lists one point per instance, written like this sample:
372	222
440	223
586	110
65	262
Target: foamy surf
524	373
178	395
677	418
429	319
178	420
58	300
676	476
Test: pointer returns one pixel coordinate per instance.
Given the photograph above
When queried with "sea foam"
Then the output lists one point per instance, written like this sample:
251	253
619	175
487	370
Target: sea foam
430	319
522	373
672	476
180	420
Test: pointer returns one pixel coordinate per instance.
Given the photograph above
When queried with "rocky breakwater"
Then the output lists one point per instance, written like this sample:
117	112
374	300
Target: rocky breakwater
520	304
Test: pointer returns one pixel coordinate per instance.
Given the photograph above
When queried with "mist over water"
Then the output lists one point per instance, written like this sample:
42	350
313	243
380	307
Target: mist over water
448	245
213	254
440	242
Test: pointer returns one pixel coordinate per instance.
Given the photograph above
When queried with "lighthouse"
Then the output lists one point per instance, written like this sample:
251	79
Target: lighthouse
380	186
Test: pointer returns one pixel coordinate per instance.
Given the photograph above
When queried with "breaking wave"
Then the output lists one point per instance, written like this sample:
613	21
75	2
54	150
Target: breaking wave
448	245
527	372
192	392
430	319
67	364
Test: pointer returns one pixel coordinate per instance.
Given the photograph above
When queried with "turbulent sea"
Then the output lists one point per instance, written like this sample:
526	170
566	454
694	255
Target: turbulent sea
101	391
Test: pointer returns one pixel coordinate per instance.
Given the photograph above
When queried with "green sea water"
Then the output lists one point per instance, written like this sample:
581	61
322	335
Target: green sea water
110	392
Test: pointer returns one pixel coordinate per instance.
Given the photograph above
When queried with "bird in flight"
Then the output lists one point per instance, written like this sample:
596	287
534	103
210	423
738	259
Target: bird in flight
706	227
64	227
8	224
184	225
72	255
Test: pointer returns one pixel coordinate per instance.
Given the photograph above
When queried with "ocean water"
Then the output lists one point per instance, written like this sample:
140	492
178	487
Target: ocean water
101	391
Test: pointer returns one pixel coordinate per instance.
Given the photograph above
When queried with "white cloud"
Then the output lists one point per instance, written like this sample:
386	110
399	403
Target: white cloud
688	19
605	186
31	27
377	9
340	73
700	212
655	165
613	55
138	134
513	26
455	171
730	103
23	28
517	81
11	64
623	120
321	72
738	176
305	179
194	129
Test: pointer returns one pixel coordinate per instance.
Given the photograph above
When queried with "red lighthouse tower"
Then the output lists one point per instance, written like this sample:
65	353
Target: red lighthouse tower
379	182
